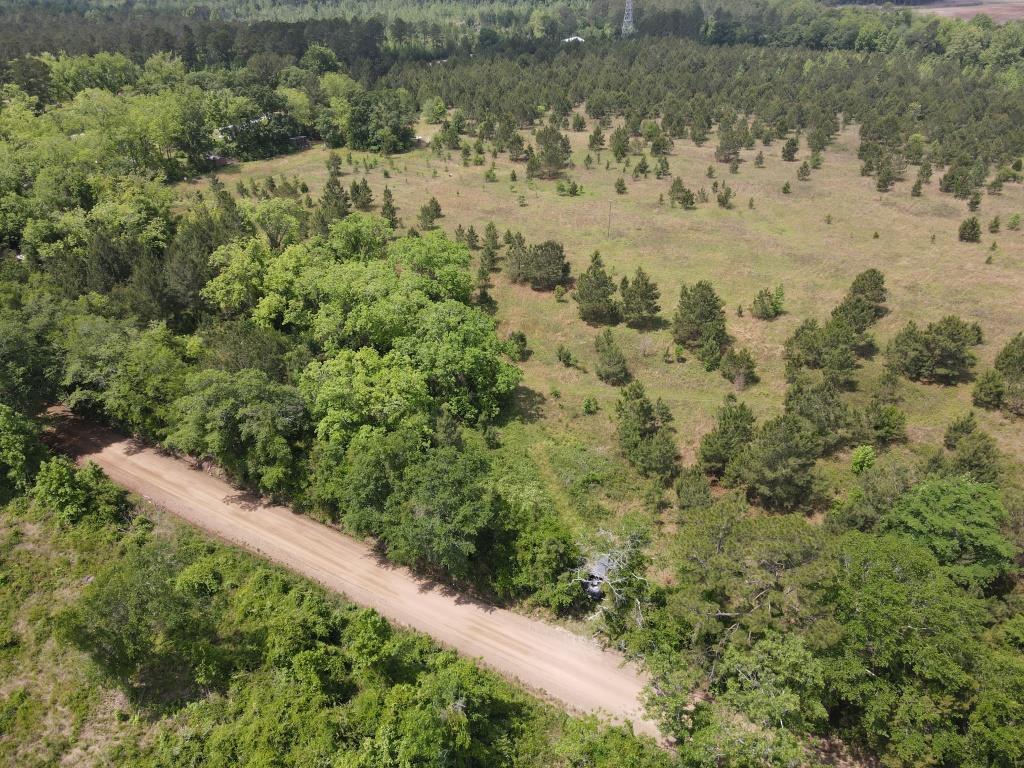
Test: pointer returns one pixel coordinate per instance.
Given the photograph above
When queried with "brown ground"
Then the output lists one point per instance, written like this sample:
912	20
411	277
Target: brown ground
1000	12
555	662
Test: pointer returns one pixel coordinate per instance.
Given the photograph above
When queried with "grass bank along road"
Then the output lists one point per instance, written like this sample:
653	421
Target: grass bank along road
571	669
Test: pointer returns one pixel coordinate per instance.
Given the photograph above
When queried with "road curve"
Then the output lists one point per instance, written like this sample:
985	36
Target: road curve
555	662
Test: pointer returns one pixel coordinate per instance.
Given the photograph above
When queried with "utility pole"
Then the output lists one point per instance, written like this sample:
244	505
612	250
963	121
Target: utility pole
609	218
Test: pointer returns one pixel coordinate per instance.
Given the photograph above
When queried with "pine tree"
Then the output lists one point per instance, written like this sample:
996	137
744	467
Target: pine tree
362	197
472	239
387	209
491	236
700	318
595	292
639	299
611	363
970	230
334	202
789	149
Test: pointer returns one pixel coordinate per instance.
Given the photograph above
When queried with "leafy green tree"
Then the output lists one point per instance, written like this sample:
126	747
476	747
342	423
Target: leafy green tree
255	428
20	452
734	428
148	637
776	467
595	294
456	349
899	666
611	365
640	298
776	682
438	510
959	520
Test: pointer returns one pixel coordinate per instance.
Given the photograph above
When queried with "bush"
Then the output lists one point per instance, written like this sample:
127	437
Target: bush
863	459
518	349
693	491
738	367
767	304
75	495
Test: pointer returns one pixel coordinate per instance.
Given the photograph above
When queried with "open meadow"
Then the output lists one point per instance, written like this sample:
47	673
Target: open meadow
812	241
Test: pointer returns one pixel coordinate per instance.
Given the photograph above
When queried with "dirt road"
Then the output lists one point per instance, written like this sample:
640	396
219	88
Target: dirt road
566	667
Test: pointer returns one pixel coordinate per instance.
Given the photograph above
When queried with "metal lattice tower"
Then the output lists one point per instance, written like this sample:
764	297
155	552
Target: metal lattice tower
627	20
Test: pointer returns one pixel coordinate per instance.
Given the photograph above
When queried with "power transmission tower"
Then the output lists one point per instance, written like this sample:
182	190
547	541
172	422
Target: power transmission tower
627	20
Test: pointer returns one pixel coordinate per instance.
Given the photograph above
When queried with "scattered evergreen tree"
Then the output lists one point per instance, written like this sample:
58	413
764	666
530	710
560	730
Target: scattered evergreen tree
734	429
611	363
388	210
789	149
334	201
699	320
640	298
644	432
939	353
989	390
595	294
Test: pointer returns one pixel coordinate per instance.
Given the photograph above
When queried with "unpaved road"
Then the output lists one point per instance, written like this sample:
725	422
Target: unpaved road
566	667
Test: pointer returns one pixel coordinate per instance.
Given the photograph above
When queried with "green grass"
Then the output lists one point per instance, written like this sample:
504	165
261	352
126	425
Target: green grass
782	239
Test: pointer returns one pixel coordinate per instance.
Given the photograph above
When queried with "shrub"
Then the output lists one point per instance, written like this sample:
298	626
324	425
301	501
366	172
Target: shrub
738	367
863	458
693	491
767	304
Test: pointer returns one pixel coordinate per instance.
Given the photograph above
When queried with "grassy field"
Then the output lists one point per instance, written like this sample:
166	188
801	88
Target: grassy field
813	241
